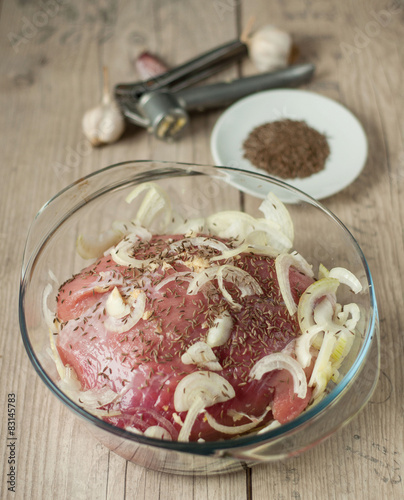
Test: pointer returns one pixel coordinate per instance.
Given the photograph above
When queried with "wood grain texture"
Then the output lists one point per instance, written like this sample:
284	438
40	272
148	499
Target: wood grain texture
50	73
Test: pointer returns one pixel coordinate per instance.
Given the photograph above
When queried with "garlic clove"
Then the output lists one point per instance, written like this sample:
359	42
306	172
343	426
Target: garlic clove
220	332
116	306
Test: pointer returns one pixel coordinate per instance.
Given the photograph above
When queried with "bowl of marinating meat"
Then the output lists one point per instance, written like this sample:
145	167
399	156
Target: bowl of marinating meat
193	327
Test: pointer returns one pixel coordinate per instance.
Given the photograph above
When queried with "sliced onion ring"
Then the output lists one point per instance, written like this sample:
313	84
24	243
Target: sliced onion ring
352	310
311	296
246	248
283	263
245	282
234	429
180	276
126	323
323	312
346	277
345	339
231	224
274	210
281	361
197	391
323	272
121	254
161	421
304	342
200	241
202	355
94	247
323	370
242	279
154	203
92	399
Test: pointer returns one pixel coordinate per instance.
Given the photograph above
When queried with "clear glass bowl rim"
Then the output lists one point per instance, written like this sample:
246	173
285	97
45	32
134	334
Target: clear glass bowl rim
212	447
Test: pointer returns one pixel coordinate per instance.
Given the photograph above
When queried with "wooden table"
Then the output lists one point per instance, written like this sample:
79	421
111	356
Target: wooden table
51	65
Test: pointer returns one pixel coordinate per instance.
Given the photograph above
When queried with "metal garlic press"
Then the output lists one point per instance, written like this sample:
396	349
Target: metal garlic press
162	104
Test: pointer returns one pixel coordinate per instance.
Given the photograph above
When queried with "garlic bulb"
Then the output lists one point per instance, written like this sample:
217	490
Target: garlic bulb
269	48
105	123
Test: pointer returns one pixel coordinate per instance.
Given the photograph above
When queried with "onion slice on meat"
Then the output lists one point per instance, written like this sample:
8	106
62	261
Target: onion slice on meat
176	276
354	312
231	224
92	399
125	323
343	345
198	391
246	248
199	242
283	263
271	235
200	279
324	311
95	398
202	355
326	287
281	361
235	429
135	421
323	370
243	280
121	253
304	343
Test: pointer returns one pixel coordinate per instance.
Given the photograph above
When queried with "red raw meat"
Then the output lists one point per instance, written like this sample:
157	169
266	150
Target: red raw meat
144	363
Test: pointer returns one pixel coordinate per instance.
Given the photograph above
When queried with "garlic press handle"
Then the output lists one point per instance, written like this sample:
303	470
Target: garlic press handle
222	94
186	74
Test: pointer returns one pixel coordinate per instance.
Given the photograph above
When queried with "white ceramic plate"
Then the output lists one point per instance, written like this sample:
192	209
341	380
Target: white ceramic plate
345	135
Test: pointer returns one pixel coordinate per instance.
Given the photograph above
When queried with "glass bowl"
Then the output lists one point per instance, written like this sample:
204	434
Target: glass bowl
90	205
